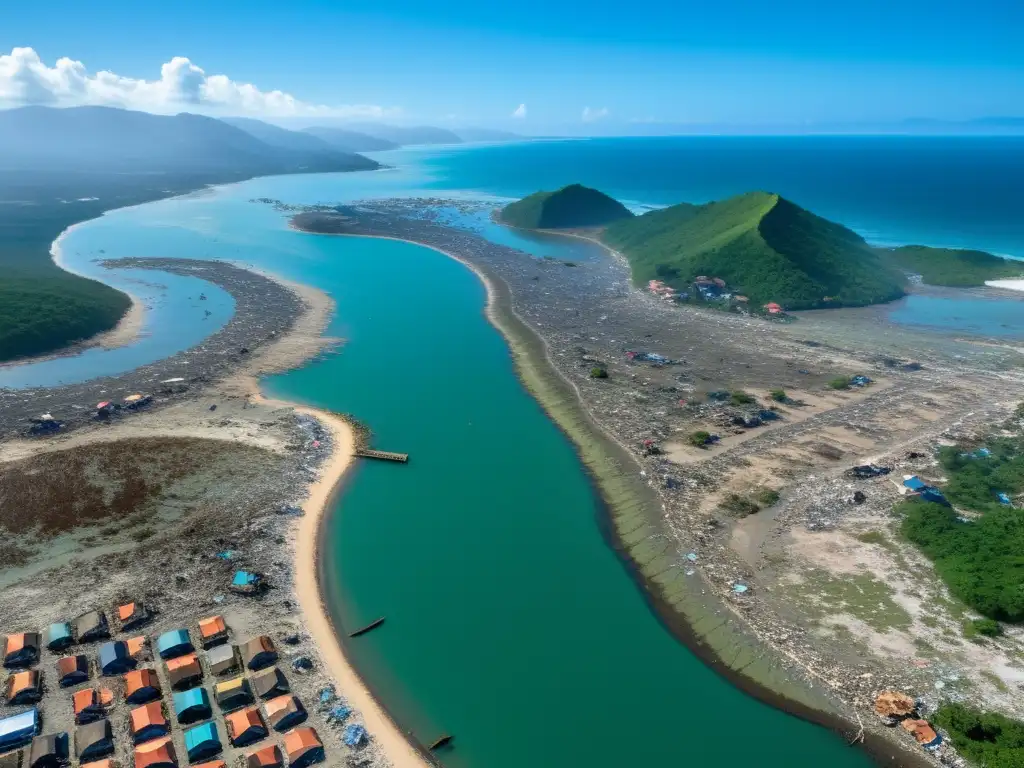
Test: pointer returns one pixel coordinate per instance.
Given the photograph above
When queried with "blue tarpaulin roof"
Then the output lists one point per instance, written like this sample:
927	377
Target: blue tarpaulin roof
203	739
354	735
245	579
58	632
187	699
18	728
1003	498
114	657
914	483
173	643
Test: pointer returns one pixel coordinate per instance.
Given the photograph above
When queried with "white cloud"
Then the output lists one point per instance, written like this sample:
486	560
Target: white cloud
593	115
520	111
26	79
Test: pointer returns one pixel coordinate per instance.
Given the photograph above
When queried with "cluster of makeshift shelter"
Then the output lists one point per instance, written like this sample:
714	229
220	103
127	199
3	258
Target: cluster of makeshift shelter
252	695
895	708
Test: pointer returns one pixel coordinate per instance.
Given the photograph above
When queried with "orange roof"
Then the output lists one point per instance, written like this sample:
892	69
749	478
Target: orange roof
138	679
69	664
921	730
125	612
147	715
300	741
182	661
156	752
263	758
241	721
212	626
84	699
15	642
22	681
277	704
99	764
209	764
136	645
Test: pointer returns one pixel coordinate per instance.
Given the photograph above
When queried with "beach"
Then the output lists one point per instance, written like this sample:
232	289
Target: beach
1009	285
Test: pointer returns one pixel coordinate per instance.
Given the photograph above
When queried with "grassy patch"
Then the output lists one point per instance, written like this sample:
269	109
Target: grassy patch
873	537
766	497
740	506
984	738
861	595
739	397
779	395
840	382
982	628
699	438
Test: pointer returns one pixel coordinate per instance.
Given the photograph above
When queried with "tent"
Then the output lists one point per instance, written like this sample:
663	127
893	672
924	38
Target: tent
91	626
94	740
245	727
48	751
267	757
269	683
221	659
246	582
148	722
115	659
213	630
23	688
232	694
174	643
158	753
72	670
132	615
90	704
192	706
284	712
18	729
303	747
21	649
58	636
184	672
258	653
141	686
202	742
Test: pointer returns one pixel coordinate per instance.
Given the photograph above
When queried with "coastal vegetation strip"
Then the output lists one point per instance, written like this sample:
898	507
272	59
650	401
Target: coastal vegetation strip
953	267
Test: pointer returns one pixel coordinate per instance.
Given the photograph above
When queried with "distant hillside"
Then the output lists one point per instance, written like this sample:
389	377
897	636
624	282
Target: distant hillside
62	166
276	136
953	267
404	135
486	134
566	208
117	140
349	141
763	246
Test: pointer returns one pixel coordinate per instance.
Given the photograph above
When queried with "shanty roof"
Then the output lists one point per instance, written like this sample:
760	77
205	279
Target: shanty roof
53	745
21	683
300	741
147	715
73	667
921	730
20	646
59	634
128	611
18	728
201	737
212	627
136	645
85	699
183	666
282	709
221	658
269	682
230	689
258	652
108	763
173	643
244	722
95	737
209	764
914	483
138	679
90	622
114	658
245	579
188	699
893	704
268	757
158	753
134	398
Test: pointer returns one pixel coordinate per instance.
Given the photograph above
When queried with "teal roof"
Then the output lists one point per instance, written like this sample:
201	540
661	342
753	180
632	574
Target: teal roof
245	579
200	736
173	643
187	699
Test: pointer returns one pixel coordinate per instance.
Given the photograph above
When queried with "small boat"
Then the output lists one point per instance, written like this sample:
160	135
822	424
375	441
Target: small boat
441	741
363	630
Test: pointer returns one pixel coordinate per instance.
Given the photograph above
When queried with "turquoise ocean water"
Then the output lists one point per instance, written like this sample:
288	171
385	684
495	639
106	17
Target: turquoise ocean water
511	623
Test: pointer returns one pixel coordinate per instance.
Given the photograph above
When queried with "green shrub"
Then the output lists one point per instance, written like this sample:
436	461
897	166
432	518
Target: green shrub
739	397
766	497
841	382
739	505
598	372
779	395
699	438
983	738
984	627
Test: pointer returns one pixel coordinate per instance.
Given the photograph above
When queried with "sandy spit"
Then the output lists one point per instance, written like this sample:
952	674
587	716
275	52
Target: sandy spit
1009	285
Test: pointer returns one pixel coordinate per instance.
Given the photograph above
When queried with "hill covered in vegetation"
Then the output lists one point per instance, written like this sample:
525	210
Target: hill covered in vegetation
565	208
763	246
953	267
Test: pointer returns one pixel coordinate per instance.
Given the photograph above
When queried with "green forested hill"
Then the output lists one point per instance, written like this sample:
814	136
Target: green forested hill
566	208
763	246
952	266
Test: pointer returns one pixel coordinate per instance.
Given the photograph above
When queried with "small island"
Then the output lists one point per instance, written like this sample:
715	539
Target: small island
954	267
571	207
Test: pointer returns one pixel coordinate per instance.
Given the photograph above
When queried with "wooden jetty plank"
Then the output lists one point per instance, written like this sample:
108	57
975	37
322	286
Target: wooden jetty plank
369	453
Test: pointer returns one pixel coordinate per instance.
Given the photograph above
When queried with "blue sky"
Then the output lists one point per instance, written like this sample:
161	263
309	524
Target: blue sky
473	63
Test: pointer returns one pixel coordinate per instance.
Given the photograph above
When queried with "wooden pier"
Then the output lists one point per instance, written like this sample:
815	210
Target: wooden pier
369	453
